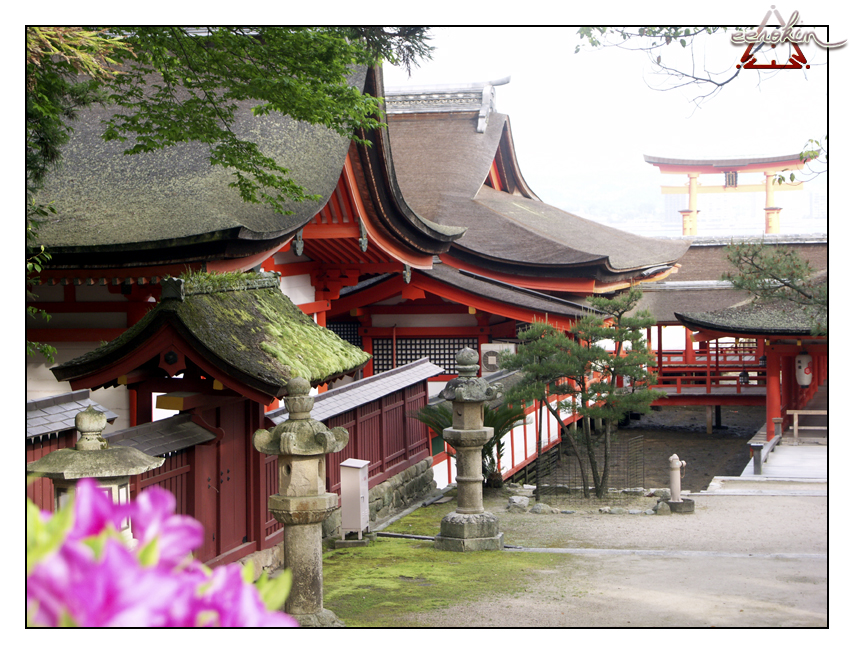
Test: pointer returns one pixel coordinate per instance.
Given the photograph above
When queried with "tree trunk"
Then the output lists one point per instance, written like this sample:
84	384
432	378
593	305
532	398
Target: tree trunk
565	431
606	460
591	456
539	450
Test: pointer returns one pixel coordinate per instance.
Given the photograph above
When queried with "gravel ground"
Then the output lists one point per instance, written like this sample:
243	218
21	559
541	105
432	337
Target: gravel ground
735	562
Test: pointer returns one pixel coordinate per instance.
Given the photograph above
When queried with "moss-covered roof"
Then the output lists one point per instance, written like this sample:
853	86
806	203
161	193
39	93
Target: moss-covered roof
241	323
760	318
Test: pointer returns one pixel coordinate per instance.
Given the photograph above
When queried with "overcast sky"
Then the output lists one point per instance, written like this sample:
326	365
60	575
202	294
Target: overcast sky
582	122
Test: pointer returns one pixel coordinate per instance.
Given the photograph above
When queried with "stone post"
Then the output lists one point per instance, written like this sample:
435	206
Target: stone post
469	528
92	457
302	502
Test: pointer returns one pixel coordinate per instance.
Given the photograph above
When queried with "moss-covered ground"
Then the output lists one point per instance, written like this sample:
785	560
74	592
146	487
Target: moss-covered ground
385	584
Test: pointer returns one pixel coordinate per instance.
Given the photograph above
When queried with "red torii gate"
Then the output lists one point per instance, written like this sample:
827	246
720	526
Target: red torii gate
770	166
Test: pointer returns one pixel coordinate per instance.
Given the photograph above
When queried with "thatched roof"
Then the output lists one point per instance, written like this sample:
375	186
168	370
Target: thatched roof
442	162
755	318
152	204
243	325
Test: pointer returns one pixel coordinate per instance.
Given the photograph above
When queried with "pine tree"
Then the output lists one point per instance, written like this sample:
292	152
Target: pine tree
545	358
602	369
553	363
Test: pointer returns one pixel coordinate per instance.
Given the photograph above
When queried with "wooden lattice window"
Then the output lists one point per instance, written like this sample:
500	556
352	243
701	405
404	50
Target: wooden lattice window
440	351
348	331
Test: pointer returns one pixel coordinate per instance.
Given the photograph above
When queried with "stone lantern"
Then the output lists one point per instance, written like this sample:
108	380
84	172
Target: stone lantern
91	457
469	528
302	502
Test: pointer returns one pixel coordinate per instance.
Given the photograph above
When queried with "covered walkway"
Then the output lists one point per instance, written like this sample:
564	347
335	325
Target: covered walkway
806	460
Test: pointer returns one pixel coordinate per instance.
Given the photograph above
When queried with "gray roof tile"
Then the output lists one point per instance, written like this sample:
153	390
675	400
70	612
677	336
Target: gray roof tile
340	400
161	437
57	413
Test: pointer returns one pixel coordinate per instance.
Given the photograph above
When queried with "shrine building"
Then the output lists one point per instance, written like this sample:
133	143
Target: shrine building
427	241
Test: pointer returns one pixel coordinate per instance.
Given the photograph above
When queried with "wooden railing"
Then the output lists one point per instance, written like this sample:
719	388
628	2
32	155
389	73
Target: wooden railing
699	378
796	413
715	365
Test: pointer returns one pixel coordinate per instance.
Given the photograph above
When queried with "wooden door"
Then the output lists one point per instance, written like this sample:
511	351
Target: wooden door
233	513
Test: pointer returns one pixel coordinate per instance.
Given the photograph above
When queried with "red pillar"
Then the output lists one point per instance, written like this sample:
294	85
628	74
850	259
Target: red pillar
368	347
772	392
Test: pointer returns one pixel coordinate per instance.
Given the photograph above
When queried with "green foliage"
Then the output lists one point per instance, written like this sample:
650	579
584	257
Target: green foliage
629	359
550	359
184	84
45	536
773	273
56	57
656	37
439	417
814	155
65	69
545	356
36	258
177	85
273	592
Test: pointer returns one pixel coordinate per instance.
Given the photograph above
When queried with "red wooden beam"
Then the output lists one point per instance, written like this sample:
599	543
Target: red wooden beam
329	231
378	293
414	307
415	332
309	308
291	269
91	307
485	304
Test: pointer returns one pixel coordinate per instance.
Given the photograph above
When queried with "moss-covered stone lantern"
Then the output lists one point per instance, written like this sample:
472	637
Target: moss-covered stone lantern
91	457
302	502
470	527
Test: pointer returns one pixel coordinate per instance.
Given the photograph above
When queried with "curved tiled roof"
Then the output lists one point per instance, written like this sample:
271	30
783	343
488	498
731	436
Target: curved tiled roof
727	163
506	293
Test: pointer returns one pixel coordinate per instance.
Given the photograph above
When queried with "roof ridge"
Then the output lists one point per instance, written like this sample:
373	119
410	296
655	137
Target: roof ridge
53	400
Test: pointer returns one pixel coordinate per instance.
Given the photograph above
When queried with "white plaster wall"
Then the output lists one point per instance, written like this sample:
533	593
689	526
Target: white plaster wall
434	388
298	288
42	383
441	476
672	337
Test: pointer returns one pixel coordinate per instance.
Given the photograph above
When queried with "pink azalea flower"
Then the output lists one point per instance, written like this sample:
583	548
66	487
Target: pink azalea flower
153	516
94	511
113	589
238	604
